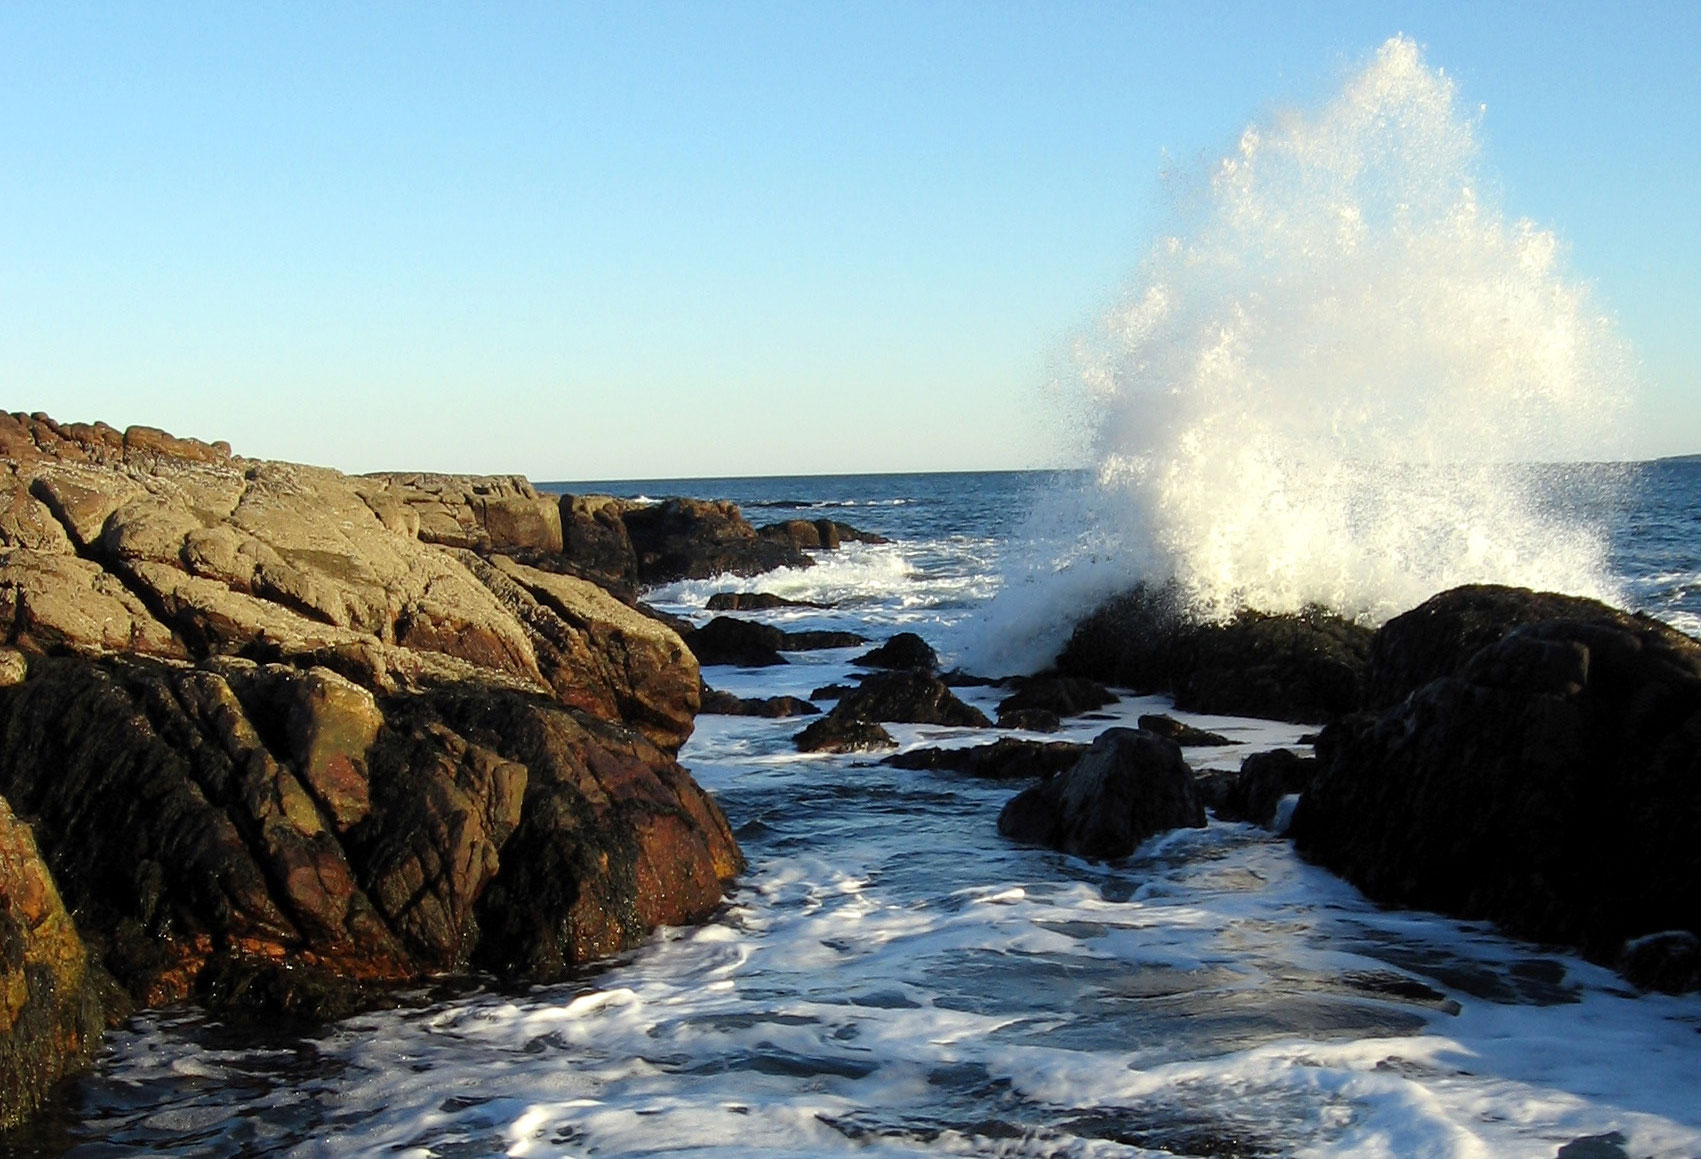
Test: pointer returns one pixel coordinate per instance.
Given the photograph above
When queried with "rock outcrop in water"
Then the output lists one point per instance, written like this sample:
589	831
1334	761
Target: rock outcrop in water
283	735
1306	667
1128	786
1539	766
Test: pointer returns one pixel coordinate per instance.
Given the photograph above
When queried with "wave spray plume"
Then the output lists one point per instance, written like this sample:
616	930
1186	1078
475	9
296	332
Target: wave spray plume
1331	391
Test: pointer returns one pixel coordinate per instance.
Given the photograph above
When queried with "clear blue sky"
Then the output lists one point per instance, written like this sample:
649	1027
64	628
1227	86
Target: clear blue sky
685	239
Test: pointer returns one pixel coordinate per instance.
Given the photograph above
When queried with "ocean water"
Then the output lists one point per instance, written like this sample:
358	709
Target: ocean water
889	977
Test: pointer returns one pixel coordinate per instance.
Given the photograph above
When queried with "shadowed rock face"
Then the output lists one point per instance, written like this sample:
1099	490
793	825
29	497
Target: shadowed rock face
50	1009
1542	773
700	538
1306	666
277	749
1128	786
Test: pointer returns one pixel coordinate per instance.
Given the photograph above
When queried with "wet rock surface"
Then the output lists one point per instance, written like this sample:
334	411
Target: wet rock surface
754	602
1128	786
843	733
1547	782
1307	666
1006	759
906	650
1061	695
909	697
1255	790
749	644
726	704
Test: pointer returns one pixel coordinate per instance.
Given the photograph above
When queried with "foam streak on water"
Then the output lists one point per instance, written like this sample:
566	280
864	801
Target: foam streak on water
1314	390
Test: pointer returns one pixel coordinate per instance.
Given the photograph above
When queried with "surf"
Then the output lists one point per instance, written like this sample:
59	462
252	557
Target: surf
1335	385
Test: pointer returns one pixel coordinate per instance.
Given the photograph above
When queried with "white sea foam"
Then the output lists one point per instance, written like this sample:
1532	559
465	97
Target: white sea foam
1322	389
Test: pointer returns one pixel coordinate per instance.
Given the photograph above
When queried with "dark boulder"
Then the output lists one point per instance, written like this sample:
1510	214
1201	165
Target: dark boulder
1183	734
909	697
699	539
832	691
906	650
836	733
775	707
754	602
1669	961
1006	759
1304	666
1548	782
1129	786
1255	790
1437	637
1063	695
748	644
1029	719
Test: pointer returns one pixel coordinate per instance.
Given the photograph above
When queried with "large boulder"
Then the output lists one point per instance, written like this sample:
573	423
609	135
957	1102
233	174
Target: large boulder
1129	786
699	539
327	754
1550	780
51	1012
1306	666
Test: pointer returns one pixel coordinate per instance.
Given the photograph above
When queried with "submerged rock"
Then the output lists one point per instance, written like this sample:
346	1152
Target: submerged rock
1129	786
1546	782
1306	666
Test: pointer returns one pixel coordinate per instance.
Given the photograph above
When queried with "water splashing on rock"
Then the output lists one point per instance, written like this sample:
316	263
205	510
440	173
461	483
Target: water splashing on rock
1332	386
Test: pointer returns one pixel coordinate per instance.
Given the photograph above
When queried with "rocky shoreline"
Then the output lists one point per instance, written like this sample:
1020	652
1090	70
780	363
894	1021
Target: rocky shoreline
278	740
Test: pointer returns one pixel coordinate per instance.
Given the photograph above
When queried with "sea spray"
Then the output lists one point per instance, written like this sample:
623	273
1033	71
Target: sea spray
1332	388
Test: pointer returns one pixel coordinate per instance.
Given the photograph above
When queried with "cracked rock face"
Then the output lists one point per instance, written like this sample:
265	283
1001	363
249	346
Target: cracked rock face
276	748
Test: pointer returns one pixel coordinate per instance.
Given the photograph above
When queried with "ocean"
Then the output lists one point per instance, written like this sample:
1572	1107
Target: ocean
891	978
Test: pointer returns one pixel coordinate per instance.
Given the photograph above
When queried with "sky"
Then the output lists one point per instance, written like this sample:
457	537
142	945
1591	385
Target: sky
698	239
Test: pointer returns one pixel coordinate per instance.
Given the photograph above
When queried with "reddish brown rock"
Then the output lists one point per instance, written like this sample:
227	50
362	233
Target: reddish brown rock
329	755
50	1010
